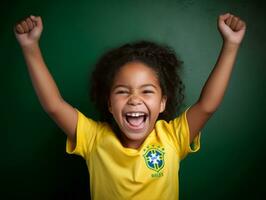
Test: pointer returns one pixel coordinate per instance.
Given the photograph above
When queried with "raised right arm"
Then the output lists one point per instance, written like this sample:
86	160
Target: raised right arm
28	33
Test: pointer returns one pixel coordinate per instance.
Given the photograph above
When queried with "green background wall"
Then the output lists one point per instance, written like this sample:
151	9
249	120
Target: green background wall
34	164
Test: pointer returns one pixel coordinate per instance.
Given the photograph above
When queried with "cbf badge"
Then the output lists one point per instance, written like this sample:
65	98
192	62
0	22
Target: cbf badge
154	159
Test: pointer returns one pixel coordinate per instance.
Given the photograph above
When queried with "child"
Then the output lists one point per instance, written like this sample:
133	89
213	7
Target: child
135	153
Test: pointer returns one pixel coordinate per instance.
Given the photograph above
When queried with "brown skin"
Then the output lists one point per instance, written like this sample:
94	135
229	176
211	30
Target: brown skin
28	33
232	30
136	88
45	87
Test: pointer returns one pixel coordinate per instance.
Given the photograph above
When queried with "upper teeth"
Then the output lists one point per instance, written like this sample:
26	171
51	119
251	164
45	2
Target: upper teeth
136	114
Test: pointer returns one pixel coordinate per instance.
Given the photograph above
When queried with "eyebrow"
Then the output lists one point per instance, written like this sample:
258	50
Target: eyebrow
142	86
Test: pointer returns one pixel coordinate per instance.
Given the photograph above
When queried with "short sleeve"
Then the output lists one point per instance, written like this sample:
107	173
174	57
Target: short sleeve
86	133
182	135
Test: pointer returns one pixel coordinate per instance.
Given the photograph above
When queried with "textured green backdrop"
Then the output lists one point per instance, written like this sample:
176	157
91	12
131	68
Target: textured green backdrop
34	164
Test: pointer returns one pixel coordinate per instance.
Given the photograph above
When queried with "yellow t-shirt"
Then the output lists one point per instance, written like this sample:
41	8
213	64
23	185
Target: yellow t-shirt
150	172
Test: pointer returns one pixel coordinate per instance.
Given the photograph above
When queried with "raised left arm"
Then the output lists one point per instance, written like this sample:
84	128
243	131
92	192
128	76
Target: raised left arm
232	30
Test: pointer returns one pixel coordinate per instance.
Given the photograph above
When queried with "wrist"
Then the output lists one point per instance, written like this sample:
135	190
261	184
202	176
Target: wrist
30	47
230	45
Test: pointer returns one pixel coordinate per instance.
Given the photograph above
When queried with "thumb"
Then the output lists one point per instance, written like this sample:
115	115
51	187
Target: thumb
224	17
37	20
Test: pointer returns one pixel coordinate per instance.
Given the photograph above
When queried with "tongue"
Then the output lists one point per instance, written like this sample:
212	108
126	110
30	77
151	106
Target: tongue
135	121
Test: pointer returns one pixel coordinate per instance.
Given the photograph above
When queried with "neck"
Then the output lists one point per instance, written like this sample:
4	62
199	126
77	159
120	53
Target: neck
127	143
133	144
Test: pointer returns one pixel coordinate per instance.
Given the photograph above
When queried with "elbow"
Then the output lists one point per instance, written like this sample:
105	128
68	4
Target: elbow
52	108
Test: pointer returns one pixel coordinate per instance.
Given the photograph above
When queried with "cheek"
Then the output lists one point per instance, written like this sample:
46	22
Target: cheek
115	105
154	105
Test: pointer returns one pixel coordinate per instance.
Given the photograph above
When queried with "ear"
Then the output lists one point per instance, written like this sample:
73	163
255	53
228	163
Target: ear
163	104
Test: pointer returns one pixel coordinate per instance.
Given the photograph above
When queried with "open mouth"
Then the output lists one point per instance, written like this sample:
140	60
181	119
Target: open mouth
136	120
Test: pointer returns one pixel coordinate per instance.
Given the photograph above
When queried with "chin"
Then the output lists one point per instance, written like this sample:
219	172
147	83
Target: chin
134	135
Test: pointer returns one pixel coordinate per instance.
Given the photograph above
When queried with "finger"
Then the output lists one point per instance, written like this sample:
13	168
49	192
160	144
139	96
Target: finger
25	26
37	20
19	29
229	20
238	25
30	23
224	17
32	17
234	23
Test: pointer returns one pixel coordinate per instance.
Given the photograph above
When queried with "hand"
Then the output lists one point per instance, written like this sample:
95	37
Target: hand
232	28
28	31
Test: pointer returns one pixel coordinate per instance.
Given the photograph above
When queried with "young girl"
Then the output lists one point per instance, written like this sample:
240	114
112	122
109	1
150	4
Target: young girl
135	153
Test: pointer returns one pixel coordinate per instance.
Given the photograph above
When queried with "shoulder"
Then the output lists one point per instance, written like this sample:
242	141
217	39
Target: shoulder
85	122
172	125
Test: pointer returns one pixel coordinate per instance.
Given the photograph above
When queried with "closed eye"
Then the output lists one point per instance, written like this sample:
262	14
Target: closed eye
148	91
121	92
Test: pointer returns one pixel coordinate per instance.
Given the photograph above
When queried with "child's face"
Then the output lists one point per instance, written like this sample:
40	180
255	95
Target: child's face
136	101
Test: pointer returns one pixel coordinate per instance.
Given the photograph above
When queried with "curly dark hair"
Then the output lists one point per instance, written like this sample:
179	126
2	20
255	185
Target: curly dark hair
161	58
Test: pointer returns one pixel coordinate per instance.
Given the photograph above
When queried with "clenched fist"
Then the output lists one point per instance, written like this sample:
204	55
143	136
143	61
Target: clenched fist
28	31
232	28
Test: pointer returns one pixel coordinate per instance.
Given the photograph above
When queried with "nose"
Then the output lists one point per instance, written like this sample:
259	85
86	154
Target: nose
134	100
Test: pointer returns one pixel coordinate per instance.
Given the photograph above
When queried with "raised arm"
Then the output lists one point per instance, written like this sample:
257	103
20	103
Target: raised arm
28	33
232	30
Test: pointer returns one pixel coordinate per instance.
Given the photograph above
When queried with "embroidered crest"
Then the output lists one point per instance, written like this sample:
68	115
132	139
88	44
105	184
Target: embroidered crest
154	157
